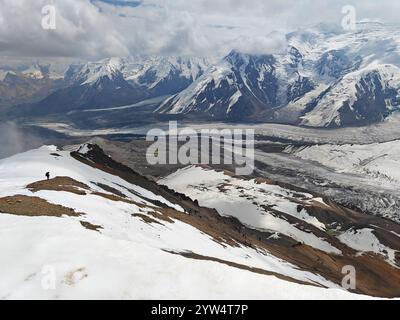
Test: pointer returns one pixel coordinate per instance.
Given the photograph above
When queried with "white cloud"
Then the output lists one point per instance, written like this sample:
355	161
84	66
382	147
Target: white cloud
95	29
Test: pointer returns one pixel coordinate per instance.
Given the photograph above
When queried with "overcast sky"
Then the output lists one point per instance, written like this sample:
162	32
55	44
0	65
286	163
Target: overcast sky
93	29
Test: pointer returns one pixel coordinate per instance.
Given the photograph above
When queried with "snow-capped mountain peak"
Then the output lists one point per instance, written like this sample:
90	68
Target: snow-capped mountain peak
36	71
234	87
90	73
160	75
326	78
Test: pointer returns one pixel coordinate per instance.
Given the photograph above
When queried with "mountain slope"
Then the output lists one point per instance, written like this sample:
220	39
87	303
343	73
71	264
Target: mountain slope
30	85
165	75
323	79
116	82
239	87
361	97
283	212
103	231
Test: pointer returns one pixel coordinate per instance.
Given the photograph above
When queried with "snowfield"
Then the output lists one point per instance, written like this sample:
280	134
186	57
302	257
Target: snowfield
57	258
365	241
265	206
243	199
89	265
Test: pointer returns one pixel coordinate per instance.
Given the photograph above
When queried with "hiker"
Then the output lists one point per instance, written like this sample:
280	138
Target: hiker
48	175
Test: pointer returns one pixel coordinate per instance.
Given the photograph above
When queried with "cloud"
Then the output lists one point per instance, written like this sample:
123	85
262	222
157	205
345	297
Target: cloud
81	30
15	140
269	43
93	29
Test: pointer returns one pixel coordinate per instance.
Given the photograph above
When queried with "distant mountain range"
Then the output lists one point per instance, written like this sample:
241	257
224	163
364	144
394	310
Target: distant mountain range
322	79
28	85
116	82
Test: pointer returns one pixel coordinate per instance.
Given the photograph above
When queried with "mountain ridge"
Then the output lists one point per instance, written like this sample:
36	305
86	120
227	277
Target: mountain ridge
93	199
322	78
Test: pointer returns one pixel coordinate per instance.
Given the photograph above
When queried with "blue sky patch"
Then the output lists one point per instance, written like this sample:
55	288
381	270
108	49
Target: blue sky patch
121	3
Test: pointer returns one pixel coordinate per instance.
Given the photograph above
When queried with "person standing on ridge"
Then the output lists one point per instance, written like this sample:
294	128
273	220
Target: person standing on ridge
48	175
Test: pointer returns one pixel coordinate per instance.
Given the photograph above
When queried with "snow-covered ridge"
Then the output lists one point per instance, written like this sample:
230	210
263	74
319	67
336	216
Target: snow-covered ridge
35	71
324	79
267	206
375	82
147	71
154	70
118	247
61	164
236	200
235	79
93	71
186	101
